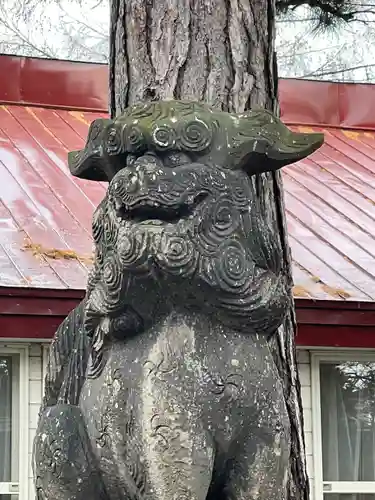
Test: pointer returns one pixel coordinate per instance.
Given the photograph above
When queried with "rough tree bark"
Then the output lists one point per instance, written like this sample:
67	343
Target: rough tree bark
220	52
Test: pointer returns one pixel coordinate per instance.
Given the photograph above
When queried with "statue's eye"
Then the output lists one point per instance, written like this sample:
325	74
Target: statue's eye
146	161
175	159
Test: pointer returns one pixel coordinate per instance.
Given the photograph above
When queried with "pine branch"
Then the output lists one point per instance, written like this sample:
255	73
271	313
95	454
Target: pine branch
328	13
318	74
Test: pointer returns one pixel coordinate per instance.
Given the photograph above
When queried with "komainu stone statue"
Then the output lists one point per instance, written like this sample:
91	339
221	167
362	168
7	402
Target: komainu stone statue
161	384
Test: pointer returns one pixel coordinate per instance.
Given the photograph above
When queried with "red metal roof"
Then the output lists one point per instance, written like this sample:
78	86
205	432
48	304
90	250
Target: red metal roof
45	213
84	86
51	83
330	204
42	207
327	104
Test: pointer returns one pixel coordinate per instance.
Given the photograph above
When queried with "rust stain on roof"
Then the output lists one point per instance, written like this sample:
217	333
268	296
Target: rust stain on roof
329	201
335	292
54	253
352	134
304	129
79	116
301	292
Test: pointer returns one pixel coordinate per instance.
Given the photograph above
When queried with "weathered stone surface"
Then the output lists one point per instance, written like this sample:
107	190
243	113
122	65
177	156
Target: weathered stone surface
161	384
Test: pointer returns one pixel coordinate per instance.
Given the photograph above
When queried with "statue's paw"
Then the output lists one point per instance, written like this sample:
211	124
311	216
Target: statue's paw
63	462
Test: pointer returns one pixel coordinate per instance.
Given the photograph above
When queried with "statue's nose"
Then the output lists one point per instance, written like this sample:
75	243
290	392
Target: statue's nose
129	181
146	169
146	173
136	178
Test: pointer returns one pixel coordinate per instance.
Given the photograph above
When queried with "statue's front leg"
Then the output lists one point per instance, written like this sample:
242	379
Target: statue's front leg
63	462
261	454
179	450
261	470
180	457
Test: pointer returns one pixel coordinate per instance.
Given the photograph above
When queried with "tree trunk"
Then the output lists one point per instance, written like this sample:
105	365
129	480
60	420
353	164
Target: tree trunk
220	52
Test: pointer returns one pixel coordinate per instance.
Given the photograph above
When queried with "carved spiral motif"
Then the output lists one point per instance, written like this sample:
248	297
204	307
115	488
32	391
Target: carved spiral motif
219	182
177	255
134	139
212	180
205	180
231	268
219	222
224	219
113	143
112	273
99	256
164	137
241	197
195	136
110	231
97	224
133	250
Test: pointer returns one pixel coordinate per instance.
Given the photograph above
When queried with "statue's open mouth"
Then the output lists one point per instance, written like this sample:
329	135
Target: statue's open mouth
147	210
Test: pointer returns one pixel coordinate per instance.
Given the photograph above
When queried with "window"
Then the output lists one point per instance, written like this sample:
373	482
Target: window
13	423
343	391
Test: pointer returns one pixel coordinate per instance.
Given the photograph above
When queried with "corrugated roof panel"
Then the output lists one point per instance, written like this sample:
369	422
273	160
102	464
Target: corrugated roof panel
46	207
329	200
45	213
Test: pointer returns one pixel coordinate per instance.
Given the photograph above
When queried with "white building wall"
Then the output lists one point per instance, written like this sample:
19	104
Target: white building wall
36	373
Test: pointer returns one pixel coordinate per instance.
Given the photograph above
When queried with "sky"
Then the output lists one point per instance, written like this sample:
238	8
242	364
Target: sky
78	30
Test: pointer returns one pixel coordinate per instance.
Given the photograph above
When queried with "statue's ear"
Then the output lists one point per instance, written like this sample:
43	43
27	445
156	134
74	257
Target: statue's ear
262	143
89	163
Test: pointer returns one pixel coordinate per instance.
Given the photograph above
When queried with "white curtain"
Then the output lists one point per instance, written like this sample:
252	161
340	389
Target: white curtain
348	423
5	419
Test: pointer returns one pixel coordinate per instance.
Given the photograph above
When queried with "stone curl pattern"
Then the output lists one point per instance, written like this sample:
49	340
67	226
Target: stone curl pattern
214	250
194	136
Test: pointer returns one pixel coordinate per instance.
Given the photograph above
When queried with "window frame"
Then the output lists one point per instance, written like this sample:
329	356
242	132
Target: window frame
20	488
331	487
